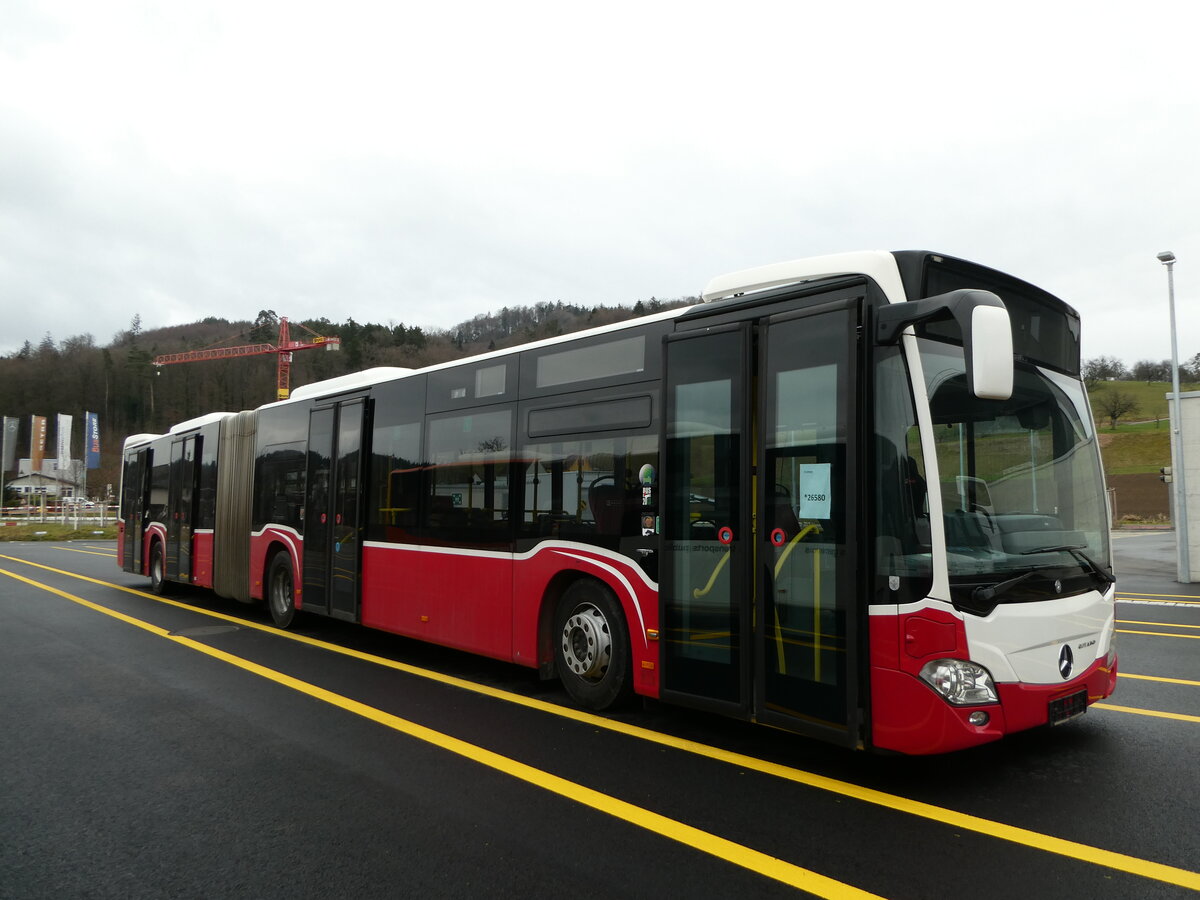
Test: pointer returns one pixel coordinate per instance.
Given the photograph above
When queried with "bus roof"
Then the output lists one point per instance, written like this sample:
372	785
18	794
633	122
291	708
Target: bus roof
877	264
197	422
135	440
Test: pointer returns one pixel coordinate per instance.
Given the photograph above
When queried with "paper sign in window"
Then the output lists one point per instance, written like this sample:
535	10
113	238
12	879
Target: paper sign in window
815	491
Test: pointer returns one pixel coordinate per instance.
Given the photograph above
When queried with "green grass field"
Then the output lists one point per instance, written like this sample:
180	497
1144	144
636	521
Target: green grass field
54	531
1150	397
1141	442
1132	453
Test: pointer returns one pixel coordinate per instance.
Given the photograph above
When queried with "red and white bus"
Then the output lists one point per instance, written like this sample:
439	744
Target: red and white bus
856	496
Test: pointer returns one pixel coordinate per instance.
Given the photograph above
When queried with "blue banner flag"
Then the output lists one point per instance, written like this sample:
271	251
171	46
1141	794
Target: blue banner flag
91	440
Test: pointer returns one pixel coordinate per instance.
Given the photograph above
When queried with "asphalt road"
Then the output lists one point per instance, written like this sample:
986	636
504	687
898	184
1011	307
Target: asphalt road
186	749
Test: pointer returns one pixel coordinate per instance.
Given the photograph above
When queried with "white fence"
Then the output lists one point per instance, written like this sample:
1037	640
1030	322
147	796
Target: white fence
66	513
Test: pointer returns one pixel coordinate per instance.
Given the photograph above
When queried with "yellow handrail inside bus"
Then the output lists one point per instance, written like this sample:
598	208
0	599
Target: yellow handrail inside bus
817	614
800	535
697	593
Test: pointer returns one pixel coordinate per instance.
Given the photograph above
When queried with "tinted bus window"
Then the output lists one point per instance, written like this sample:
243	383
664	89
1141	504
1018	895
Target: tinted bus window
467	478
393	490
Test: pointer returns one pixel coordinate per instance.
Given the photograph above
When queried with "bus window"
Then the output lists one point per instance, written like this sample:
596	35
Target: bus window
395	482
903	549
160	482
600	491
280	485
466	479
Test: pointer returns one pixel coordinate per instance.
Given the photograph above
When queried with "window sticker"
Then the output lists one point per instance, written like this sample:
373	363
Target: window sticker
815	491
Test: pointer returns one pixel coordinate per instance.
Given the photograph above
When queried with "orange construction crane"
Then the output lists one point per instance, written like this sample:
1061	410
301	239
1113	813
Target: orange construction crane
283	351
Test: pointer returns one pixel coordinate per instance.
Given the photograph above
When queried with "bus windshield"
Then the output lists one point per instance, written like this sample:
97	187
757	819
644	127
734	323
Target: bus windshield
1020	485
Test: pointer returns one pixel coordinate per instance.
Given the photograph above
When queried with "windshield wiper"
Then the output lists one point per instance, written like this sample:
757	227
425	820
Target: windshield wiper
983	594
1076	550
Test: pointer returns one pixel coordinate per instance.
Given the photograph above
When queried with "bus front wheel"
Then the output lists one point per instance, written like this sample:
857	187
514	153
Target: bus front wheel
591	646
281	594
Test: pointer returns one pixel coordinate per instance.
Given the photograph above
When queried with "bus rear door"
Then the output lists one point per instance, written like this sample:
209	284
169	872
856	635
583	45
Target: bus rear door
332	526
181	515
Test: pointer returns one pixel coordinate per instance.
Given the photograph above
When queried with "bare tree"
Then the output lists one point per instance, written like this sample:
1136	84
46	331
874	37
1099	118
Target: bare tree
1103	368
1114	404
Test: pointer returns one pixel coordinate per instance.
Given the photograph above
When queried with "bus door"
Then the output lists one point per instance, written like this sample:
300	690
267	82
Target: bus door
704	596
181	515
806	634
758	590
135	487
332	526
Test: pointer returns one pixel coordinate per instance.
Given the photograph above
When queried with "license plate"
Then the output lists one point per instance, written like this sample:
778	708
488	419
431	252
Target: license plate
1066	708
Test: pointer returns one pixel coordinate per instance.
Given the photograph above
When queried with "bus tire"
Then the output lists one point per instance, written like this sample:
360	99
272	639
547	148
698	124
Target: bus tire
591	646
158	569
281	593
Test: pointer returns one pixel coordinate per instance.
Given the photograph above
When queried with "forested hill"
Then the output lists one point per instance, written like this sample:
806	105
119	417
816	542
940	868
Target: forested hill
120	382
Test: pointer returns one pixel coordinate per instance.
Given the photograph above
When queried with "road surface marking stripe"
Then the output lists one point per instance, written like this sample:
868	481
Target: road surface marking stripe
705	842
1025	837
1159	678
1140	595
1180	717
1194	637
1155	624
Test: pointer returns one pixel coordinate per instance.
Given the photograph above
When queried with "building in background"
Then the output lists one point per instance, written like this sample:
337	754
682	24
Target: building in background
48	480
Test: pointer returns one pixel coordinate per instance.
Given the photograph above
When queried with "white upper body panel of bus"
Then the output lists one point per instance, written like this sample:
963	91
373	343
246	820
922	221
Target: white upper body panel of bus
368	377
136	440
876	264
193	424
348	382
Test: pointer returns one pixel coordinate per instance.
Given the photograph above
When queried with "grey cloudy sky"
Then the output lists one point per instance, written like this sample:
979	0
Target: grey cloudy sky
423	162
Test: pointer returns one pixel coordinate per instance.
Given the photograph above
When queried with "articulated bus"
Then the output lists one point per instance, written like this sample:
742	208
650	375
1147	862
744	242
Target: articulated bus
858	497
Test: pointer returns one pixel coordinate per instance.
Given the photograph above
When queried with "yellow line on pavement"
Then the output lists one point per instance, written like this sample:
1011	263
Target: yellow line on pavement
1184	599
1179	717
1160	678
1194	637
705	842
951	818
88	552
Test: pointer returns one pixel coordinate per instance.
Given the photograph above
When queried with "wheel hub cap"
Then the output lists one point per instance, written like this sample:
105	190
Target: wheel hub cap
586	643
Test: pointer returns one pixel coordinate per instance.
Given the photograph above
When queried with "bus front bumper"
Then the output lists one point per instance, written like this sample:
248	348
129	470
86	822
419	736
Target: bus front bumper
909	717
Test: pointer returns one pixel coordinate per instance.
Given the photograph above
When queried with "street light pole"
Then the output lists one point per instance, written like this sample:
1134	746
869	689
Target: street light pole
1178	481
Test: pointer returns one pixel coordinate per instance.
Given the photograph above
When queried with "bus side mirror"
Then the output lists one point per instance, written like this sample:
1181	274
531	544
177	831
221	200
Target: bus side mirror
986	331
990	353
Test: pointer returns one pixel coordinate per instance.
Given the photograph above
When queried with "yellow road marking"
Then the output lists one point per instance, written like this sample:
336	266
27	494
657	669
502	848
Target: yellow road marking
1194	637
1155	624
1022	836
705	842
88	552
1179	717
1159	594
1160	678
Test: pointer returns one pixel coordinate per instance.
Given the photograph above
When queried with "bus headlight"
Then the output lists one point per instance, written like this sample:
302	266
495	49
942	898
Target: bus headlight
960	682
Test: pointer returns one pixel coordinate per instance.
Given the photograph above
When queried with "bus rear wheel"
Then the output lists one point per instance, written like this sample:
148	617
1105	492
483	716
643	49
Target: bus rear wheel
158	569
281	594
591	646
